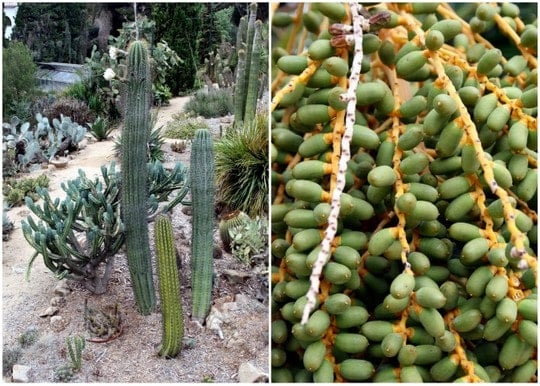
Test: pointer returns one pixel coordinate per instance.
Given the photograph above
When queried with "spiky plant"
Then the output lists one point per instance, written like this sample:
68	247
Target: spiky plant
242	167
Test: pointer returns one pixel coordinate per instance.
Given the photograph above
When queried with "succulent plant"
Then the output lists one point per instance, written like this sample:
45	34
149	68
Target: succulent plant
202	197
169	288
404	196
134	177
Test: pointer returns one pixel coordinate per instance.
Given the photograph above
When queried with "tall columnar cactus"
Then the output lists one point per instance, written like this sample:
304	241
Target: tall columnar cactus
252	92
134	175
169	288
202	196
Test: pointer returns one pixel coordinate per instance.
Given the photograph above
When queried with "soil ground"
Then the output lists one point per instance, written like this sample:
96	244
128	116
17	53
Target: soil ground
241	307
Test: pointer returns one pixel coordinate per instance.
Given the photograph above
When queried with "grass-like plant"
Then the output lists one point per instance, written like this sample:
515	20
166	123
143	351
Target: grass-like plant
100	128
183	127
241	167
211	104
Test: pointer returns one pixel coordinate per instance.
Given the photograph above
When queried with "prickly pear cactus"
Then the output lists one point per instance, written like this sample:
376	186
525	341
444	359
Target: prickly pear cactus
404	162
169	288
202	198
134	177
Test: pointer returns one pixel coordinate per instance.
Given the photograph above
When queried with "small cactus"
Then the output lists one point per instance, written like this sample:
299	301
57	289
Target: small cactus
75	347
202	196
169	288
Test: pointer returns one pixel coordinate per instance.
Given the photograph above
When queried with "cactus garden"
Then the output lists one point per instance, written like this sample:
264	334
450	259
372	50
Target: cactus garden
404	192
116	264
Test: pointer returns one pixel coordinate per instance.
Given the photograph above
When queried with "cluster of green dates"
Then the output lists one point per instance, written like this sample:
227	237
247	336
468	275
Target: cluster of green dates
463	305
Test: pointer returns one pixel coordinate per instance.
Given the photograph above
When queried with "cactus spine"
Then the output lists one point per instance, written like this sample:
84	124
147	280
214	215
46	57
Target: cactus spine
134	174
169	288
202	196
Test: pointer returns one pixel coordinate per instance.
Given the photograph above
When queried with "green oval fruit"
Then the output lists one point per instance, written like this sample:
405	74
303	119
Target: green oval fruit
507	310
293	97
528	309
336	273
407	355
525	373
474	250
517	136
314	355
406	202
463	231
354	316
529	37
300	218
488	61
281	19
387	52
381	240
393	305
410	63
278	357
376	330
508	358
502	175
296	262
497	288
324	374
305	190
518	166
432	321
334	99
335	11
434	40
312	21
311	170
321	49
336	66
427	354
528	331
292	64
356	369
459	207
528	186
477	282
444	370
347	256
449	139
498	118
435	248
469	95
449	28
391	344
306	239
316	144
483	108
420	263
467	321
382	176
312	114
444	105
469	160
413	107
370	93
279	331
413	164
424	211
351	343
337	303
494	329
430	297
286	140
423	191
317	323
297	288
402	285
364	137
446	342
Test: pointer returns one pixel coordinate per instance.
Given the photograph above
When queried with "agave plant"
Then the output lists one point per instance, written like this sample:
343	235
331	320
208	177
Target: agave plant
241	167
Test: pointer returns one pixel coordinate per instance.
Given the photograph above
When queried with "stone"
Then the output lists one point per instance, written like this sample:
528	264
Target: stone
58	323
235	276
21	373
248	373
57	301
214	321
50	311
62	289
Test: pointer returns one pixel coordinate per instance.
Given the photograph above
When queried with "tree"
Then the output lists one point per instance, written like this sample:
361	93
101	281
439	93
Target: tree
181	26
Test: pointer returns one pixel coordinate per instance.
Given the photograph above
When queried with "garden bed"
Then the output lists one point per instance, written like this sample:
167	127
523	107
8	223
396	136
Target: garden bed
235	350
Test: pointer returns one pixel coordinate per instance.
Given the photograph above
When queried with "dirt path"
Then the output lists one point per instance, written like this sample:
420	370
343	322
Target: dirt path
241	308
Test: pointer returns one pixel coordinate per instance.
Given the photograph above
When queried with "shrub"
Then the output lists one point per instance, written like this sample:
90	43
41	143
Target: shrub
76	109
18	76
242	167
212	103
183	127
248	239
101	128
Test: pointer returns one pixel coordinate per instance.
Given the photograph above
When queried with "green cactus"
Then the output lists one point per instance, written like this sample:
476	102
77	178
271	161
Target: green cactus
169	288
134	177
252	92
75	347
202	196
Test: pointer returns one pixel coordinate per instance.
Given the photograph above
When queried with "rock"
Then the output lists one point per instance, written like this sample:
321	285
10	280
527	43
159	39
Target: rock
50	311
214	320
248	373
21	373
62	289
82	144
57	301
235	276
58	323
